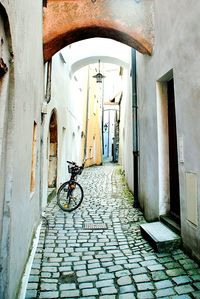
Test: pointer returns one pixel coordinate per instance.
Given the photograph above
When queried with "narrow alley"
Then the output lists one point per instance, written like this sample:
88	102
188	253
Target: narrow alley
97	251
113	85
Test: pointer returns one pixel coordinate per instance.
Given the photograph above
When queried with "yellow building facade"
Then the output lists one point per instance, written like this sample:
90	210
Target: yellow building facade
91	150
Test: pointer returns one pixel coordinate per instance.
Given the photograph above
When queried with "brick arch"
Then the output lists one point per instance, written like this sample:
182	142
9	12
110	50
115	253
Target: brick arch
68	21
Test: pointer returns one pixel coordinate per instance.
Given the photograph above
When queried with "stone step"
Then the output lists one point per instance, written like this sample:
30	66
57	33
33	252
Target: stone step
161	238
173	225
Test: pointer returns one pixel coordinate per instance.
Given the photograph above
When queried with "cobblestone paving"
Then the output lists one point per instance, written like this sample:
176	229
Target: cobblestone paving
113	262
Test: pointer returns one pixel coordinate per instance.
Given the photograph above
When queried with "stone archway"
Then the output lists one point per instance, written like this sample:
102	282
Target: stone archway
52	151
68	21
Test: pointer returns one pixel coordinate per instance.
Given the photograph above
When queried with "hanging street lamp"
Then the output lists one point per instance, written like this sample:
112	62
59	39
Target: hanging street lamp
99	77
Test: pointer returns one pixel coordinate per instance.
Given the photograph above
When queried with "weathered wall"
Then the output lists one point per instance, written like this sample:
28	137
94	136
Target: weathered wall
67	102
177	42
128	129
25	97
57	105
5	85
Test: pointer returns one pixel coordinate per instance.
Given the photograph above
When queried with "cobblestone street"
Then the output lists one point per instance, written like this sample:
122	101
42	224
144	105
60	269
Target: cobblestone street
108	261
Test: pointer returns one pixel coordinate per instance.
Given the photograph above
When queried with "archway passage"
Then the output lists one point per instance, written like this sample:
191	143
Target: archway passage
68	21
52	146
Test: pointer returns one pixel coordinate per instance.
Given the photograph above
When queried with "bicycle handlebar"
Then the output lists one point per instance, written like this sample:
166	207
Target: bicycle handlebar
71	162
74	163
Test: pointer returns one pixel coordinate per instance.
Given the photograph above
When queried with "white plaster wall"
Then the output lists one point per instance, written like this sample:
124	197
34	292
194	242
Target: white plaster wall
66	101
4	103
22	209
58	103
75	114
177	43
126	129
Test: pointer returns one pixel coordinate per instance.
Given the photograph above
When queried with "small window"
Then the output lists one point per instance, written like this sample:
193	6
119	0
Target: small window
33	163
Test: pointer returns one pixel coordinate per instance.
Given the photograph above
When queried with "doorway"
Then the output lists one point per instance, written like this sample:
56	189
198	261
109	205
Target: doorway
52	149
169	199
173	154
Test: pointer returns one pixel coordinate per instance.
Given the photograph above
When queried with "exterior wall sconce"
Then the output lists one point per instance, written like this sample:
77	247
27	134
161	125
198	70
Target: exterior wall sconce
105	127
99	77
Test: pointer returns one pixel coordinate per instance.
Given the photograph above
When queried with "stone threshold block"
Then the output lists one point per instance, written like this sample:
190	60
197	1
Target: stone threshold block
161	238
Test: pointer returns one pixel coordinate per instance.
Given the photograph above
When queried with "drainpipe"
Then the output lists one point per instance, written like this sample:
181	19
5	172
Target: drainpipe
108	149
102	133
102	122
135	128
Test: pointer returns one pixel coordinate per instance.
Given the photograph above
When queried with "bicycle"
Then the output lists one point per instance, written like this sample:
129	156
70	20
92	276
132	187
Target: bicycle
70	194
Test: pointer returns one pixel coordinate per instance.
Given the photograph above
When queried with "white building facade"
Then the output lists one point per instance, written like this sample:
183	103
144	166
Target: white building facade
168	88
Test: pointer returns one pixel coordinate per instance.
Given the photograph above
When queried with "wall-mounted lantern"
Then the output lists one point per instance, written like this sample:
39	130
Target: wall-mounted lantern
99	77
105	126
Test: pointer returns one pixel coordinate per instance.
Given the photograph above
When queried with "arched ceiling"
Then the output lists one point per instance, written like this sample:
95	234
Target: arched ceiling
92	50
90	60
68	21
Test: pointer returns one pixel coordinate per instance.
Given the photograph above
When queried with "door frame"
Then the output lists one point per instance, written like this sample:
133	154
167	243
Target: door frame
163	143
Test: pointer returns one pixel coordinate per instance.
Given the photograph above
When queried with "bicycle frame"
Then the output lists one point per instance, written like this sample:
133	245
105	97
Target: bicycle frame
66	194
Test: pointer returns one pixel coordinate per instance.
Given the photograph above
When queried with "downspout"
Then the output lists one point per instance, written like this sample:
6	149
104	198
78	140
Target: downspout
135	128
108	149
102	121
102	134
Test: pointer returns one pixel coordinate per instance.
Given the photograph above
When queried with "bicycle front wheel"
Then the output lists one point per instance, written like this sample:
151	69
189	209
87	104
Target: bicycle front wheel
69	196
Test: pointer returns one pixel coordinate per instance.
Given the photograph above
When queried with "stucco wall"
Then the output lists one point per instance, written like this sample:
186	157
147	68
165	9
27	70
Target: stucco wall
126	128
57	105
67	94
25	98
128	145
177	42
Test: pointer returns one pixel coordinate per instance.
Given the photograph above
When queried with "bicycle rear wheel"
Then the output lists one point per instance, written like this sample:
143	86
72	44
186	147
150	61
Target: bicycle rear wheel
69	196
